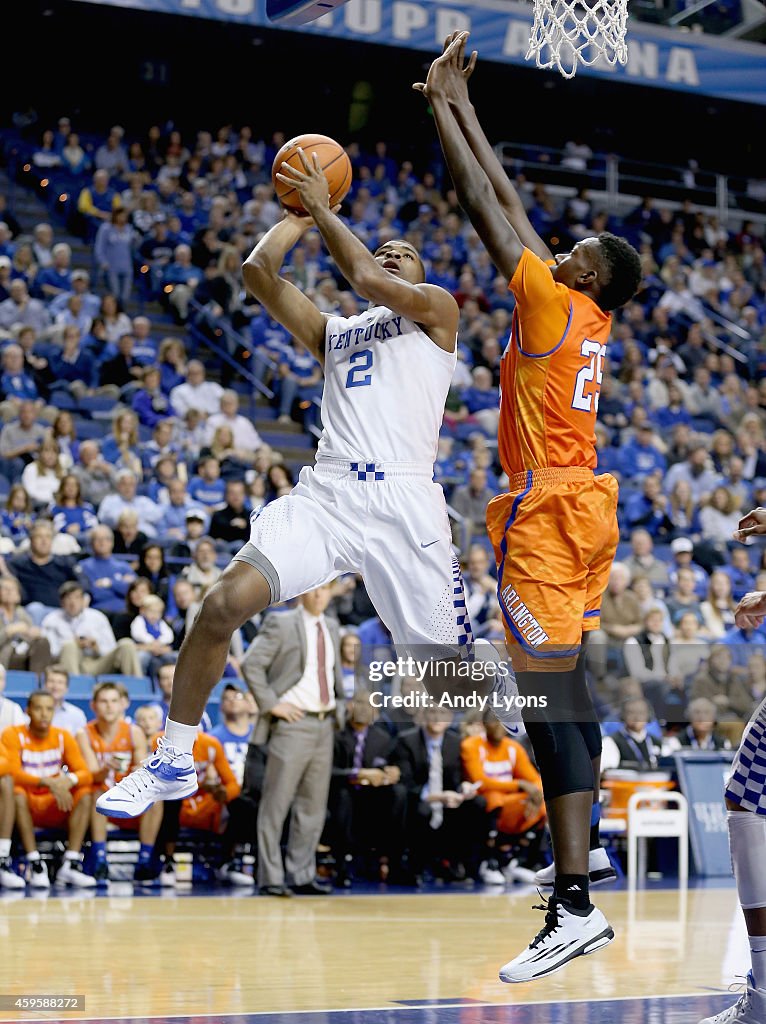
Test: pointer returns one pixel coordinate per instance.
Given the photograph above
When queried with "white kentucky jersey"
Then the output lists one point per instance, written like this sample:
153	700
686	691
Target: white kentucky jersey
386	383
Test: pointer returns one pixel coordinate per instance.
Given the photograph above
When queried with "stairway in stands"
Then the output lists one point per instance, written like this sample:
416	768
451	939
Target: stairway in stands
288	440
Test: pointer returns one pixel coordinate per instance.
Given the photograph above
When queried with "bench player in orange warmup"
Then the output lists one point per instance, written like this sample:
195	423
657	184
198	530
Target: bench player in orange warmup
52	790
113	747
555	533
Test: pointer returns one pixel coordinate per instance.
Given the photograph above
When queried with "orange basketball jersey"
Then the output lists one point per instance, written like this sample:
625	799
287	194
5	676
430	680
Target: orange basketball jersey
550	373
31	758
121	744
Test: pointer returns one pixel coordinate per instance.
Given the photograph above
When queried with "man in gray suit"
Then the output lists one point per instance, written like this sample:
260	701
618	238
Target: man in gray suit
293	668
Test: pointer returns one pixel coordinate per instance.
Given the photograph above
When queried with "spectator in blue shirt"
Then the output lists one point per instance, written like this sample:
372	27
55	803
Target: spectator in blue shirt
73	367
301	377
739	572
113	253
682	550
108	578
69	512
149	403
639	457
15	382
144	347
742	643
57	278
16	518
171	360
173	522
482	399
207	488
649	509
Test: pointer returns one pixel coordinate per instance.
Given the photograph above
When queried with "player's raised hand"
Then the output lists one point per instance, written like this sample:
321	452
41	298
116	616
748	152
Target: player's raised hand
751	525
310	183
449	74
751	610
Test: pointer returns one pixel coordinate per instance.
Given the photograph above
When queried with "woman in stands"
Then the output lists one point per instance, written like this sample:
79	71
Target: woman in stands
64	434
718	610
121	446
17	515
42	478
69	512
171	360
152	567
115	320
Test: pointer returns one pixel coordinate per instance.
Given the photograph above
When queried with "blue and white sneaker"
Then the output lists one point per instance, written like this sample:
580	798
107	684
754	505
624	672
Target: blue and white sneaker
750	1008
503	700
168	774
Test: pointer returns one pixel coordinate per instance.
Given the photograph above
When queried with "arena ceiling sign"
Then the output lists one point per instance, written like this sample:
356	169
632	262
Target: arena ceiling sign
704	64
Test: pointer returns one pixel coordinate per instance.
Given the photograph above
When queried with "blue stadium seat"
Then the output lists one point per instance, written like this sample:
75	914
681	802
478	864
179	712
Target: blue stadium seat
138	686
92	430
21	682
97	405
81	686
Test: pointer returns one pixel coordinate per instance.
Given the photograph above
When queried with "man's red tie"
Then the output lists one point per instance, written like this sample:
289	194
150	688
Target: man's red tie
324	692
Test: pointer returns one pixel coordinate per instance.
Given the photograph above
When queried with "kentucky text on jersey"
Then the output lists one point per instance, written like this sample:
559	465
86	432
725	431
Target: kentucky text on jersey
527	624
378	330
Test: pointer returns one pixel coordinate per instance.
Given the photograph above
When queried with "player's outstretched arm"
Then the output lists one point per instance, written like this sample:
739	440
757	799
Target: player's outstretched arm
456	78
283	301
474	191
424	304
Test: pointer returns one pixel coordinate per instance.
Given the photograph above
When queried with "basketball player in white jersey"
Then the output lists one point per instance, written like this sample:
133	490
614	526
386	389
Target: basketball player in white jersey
746	815
369	505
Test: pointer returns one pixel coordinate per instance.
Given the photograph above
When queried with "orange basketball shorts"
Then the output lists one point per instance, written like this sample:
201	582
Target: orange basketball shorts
44	810
555	535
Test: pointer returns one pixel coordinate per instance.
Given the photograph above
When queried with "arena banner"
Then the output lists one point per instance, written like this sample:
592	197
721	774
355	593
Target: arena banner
691	62
701	778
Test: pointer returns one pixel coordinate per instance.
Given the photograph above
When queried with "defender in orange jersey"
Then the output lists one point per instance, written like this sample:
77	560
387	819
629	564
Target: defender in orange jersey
52	789
555	532
113	747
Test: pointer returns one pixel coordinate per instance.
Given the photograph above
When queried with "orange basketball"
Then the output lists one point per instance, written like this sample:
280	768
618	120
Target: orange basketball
333	160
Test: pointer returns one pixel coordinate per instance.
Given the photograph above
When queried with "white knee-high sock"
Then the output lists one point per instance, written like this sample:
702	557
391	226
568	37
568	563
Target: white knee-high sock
747	841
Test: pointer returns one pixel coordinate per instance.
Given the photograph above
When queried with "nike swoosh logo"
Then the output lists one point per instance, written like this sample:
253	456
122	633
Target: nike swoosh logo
430	544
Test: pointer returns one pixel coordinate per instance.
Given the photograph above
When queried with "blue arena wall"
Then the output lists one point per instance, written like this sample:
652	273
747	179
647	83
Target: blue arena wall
706	65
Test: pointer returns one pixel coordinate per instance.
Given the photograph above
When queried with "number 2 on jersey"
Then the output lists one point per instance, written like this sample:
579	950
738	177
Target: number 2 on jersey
364	358
593	371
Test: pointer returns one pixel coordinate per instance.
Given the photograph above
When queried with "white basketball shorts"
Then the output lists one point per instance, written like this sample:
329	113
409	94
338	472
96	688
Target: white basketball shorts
747	782
387	522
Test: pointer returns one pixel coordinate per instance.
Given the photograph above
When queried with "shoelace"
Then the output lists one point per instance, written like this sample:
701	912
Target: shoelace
142	778
552	920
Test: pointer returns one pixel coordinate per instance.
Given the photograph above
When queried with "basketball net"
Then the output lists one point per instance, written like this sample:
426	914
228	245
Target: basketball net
566	33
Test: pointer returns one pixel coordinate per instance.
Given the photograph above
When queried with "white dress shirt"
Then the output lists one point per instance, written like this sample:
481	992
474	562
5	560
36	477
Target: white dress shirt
11	713
305	693
59	629
246	437
205	396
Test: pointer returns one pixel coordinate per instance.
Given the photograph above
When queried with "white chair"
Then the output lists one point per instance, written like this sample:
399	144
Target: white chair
667	814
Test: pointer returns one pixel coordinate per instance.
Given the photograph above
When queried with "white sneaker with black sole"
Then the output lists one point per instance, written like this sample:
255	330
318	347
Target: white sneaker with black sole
750	1008
600	870
8	877
37	875
490	874
566	935
234	876
167	774
72	873
167	878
